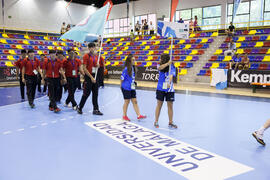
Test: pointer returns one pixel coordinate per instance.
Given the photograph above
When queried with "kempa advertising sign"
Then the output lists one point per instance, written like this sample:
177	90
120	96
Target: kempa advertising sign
244	78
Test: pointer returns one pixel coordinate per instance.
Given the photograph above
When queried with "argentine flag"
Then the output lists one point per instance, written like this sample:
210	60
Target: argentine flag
92	26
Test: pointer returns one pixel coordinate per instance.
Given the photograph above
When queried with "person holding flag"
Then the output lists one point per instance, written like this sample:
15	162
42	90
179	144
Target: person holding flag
128	87
30	70
90	66
165	90
52	69
71	66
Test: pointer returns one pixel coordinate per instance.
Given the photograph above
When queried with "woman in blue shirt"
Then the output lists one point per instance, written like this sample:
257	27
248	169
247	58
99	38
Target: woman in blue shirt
165	90
128	86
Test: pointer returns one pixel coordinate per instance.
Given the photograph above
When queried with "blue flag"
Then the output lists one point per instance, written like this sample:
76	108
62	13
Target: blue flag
93	25
236	4
172	29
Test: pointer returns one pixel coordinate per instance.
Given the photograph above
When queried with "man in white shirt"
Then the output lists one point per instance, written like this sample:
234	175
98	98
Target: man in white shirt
152	29
137	28
231	49
63	28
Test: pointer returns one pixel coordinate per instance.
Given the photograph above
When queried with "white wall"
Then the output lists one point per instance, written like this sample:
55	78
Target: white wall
48	15
162	7
44	15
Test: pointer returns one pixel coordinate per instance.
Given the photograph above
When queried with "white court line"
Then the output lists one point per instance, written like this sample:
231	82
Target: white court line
7	132
10	105
55	121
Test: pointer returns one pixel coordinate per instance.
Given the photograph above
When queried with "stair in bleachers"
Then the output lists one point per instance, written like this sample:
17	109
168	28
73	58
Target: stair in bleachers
147	50
256	43
195	75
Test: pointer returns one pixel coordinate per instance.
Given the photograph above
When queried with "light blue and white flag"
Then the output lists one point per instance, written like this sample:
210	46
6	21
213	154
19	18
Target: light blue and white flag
219	78
236	4
172	29
260	4
93	25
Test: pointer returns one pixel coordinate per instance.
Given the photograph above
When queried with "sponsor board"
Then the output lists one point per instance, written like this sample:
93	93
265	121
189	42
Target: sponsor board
8	74
142	74
244	78
184	159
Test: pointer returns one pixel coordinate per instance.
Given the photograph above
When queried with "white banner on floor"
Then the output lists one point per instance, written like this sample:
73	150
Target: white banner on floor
184	159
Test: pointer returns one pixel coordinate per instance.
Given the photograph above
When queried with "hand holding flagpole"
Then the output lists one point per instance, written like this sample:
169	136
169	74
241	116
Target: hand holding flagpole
171	54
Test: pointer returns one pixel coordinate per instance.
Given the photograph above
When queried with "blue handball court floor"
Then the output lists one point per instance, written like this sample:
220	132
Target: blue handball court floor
213	140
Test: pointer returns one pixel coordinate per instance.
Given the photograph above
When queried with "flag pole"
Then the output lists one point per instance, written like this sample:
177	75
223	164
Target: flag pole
171	53
101	43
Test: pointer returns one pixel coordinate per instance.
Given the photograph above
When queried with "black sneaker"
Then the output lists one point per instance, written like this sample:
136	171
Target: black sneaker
258	138
32	105
79	111
97	112
174	126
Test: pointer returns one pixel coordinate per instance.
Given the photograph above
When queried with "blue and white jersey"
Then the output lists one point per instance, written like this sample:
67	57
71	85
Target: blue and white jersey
231	46
237	59
127	80
163	78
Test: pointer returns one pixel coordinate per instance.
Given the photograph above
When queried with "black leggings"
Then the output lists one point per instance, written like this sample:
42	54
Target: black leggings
89	87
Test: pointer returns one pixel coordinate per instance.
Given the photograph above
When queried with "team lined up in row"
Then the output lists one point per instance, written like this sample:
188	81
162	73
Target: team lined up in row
54	71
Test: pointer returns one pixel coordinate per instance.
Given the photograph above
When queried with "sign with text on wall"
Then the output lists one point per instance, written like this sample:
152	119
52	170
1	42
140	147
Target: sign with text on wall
143	73
244	78
8	74
182	158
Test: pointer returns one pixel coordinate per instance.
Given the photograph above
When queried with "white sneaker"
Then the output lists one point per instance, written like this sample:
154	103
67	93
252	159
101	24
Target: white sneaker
258	137
75	108
65	105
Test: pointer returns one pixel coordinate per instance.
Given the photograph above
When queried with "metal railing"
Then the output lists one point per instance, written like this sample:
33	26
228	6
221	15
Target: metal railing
206	28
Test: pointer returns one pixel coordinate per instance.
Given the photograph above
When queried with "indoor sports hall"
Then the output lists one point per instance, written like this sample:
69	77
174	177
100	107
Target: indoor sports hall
134	89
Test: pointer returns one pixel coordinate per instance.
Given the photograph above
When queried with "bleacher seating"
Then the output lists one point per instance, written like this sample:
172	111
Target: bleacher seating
11	45
147	50
256	43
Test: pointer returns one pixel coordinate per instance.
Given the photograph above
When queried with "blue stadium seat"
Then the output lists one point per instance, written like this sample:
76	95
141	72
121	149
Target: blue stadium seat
202	73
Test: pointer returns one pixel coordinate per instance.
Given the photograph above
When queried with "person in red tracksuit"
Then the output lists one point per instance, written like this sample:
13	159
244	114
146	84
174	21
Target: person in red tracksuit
42	60
52	68
60	56
100	74
90	66
30	69
19	66
71	67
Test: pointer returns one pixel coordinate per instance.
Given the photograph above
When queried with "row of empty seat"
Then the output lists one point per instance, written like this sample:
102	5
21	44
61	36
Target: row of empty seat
154	58
17	47
33	37
251	58
145	38
176	52
32	42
